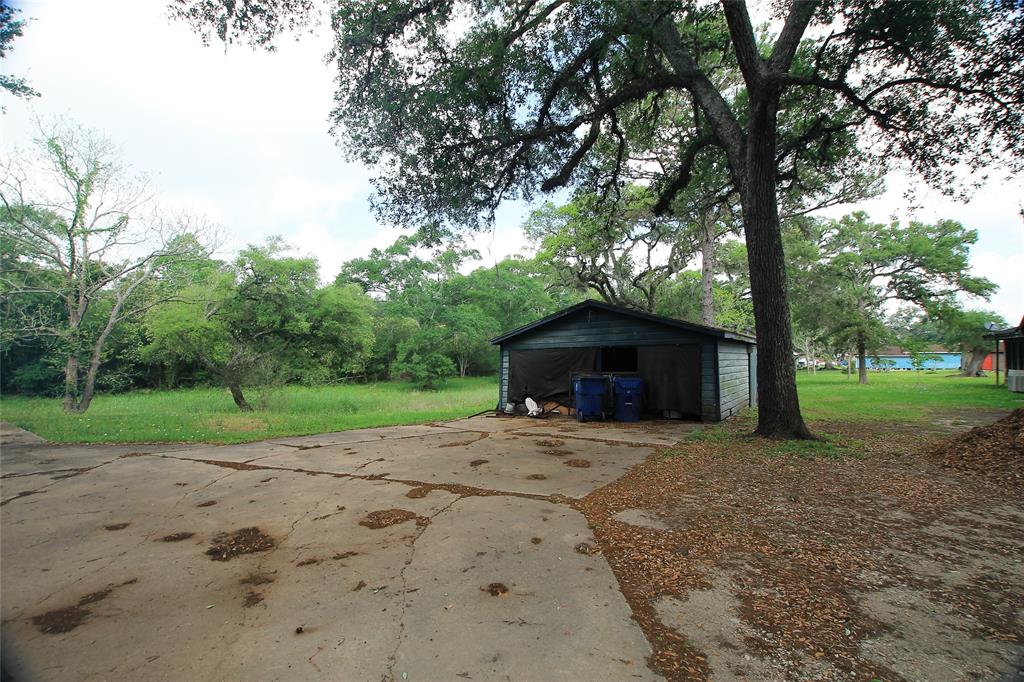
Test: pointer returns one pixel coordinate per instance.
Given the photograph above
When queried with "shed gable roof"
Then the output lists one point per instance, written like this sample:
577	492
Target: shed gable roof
626	312
1009	333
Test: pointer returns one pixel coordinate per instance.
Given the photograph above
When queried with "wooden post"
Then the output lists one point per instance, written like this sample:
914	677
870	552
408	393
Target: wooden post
997	362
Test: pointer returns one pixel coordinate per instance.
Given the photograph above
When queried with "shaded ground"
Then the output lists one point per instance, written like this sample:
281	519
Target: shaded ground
460	550
861	562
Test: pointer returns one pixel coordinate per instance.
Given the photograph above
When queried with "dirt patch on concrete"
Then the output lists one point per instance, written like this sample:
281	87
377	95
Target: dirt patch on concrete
391	517
311	561
465	443
226	546
252	598
68	618
579	463
257	579
556	452
208	503
417	493
176	537
550	443
537	477
495	589
117	526
477	462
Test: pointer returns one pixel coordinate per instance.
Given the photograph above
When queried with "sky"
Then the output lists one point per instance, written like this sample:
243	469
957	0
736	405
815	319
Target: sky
241	136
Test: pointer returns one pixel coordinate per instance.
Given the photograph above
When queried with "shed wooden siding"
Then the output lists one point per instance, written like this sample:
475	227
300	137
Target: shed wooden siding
753	375
503	380
733	377
708	385
589	328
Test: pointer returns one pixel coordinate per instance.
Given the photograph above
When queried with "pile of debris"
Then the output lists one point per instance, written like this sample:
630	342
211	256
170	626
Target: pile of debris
994	452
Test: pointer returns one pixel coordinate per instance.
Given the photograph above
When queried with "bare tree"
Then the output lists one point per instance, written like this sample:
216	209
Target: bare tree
81	235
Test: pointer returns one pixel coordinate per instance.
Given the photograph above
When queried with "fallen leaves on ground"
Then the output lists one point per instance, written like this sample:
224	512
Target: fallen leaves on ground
801	536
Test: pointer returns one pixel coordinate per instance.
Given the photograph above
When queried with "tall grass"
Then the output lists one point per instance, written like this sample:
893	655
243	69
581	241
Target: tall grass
209	415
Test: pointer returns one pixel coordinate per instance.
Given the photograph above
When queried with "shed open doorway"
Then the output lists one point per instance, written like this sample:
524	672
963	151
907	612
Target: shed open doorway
617	359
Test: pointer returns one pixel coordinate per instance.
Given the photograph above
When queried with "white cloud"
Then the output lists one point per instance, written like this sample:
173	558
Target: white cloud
1005	269
293	194
242	136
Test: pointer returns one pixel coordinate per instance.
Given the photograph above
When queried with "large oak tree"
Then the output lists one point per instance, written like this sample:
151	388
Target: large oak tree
460	105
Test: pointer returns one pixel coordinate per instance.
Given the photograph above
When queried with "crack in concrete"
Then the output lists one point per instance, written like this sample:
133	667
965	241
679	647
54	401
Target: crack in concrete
263	559
606	441
78	472
393	658
367	440
454	488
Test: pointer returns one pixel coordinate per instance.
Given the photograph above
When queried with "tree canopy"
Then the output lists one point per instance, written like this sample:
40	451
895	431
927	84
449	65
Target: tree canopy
462	105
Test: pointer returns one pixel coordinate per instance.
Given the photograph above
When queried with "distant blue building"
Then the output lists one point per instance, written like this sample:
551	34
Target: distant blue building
897	358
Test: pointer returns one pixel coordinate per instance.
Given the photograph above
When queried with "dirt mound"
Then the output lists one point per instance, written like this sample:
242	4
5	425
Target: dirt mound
994	452
227	546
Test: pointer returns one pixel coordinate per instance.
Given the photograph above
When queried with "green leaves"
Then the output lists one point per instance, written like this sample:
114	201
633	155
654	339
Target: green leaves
843	272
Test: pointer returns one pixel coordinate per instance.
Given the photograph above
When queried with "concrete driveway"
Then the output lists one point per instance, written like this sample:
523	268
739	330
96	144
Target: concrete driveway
443	551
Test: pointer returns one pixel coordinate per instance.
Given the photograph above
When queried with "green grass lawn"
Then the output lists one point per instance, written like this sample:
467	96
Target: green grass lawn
898	396
209	415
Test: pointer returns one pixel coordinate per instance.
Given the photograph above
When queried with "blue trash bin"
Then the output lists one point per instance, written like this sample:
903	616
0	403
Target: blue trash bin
589	392
628	392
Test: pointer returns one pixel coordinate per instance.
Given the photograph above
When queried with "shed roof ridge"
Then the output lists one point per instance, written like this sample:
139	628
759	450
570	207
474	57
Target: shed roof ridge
640	314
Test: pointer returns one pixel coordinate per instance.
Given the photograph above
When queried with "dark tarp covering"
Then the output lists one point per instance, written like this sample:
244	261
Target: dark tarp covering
671	377
545	375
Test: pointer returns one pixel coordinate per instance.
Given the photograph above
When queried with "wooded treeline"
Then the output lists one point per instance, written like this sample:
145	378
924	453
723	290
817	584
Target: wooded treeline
102	291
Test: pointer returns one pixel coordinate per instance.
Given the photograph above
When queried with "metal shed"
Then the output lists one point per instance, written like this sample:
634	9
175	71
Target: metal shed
690	370
1013	340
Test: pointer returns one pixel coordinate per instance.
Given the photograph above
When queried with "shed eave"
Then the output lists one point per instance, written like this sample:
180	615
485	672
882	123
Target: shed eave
599	305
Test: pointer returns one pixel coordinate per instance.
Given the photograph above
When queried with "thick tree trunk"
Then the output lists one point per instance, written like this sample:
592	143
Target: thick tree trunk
778	403
862	361
239	398
71	384
972	361
707	272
